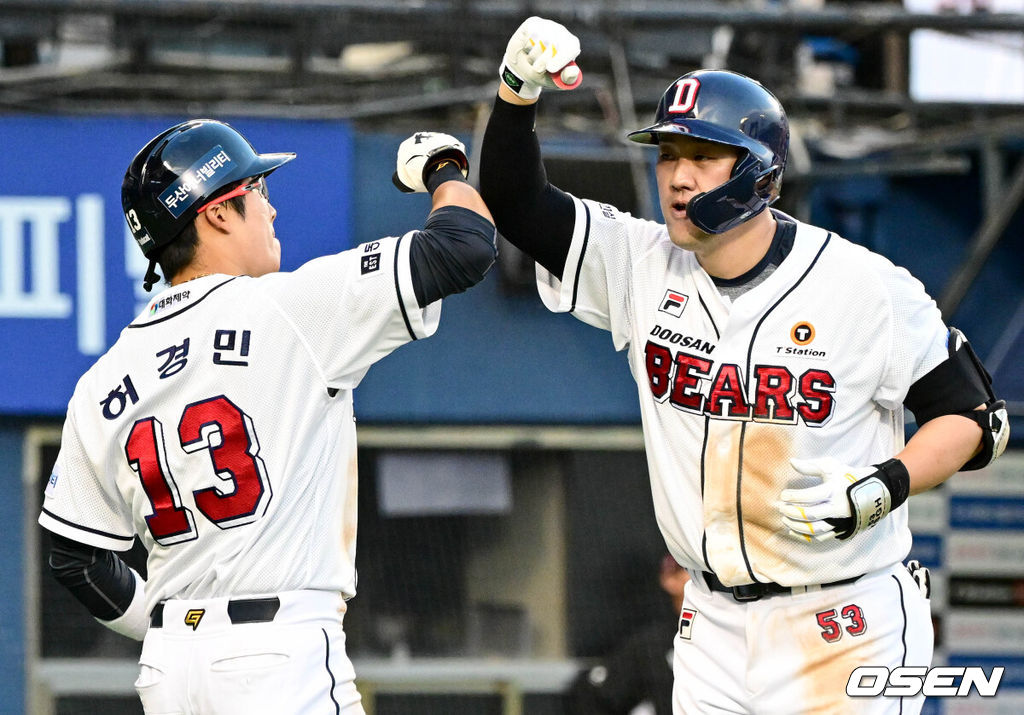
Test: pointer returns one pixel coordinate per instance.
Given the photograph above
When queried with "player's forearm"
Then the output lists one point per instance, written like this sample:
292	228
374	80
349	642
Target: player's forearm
109	589
533	215
459	193
938	449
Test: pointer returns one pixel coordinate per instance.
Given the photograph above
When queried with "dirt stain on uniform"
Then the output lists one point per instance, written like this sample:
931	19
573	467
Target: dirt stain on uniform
766	472
822	668
721	465
351	513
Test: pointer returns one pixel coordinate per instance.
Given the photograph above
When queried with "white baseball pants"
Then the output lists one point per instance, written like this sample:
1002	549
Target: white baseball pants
199	662
787	654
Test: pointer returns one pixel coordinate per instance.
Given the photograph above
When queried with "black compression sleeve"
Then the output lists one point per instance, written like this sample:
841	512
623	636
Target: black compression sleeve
452	252
533	215
98	578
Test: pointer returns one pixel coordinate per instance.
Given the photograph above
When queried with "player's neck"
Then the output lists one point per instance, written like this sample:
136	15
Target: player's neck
185	278
733	253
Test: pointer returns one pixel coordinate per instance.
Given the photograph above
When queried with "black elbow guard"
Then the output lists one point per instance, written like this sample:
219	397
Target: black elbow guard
956	386
453	252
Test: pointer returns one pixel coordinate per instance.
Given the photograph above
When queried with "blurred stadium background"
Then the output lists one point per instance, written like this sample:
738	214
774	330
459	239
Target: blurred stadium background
506	529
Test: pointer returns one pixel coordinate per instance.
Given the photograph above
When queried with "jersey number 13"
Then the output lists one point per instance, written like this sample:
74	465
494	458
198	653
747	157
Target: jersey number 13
221	428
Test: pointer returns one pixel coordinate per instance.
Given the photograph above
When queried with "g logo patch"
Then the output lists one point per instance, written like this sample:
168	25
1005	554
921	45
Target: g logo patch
193	617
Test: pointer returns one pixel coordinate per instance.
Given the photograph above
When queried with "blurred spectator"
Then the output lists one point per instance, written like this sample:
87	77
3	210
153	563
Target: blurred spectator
637	675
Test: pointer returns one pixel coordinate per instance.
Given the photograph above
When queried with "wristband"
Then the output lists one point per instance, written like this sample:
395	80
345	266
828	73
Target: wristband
445	170
897	479
522	88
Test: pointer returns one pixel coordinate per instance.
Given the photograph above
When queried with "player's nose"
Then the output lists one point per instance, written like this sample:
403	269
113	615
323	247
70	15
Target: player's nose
682	175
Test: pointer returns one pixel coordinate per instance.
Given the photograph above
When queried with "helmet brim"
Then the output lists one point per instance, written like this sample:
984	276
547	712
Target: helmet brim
699	129
266	163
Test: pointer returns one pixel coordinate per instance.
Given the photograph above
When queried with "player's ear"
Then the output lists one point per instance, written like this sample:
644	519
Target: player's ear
216	218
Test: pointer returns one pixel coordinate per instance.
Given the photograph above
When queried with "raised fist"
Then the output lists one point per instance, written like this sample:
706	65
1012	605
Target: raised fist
540	54
421	154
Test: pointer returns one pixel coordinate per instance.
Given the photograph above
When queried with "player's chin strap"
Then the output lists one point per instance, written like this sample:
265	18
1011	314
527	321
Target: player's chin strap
151	276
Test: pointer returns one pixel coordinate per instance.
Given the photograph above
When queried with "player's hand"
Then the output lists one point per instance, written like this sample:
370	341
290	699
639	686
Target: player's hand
423	152
922	576
848	500
540	54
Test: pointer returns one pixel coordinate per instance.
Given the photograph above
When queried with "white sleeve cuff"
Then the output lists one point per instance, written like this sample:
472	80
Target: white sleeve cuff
135	621
422	322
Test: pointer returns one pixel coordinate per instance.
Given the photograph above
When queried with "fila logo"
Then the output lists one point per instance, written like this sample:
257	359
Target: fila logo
686	618
802	333
193	617
673	303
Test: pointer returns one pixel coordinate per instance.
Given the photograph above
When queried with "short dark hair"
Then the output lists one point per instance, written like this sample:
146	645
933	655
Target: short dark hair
176	255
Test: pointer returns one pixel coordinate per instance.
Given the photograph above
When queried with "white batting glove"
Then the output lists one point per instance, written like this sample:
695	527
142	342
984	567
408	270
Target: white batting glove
421	154
849	500
922	576
540	54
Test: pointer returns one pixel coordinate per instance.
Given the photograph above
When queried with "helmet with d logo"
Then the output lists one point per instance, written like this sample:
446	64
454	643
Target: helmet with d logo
727	108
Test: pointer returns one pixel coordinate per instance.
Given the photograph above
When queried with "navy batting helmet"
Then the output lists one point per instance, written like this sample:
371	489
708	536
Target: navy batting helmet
727	108
181	169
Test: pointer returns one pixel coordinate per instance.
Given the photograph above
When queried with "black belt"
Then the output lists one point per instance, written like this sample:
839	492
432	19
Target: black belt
757	591
242	610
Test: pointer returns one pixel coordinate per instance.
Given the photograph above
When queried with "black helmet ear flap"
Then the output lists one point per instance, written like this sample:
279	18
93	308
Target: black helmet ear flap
720	209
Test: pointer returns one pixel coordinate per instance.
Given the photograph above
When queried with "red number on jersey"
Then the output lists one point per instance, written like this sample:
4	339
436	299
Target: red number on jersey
831	630
226	432
855	616
170	522
218	426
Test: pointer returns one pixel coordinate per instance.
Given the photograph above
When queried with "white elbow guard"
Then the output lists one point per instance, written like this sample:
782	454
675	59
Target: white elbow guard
134	622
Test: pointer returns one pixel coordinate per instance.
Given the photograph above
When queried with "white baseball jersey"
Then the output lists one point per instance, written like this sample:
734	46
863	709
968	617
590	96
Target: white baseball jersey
219	427
813	362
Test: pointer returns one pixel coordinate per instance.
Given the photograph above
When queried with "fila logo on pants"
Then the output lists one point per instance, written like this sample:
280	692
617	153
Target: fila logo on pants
686	619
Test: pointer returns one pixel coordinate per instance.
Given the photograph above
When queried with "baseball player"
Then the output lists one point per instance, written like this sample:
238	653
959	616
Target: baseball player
219	428
637	675
773	360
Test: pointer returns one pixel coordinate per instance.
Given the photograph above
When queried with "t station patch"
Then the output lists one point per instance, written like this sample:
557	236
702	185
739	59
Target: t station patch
673	303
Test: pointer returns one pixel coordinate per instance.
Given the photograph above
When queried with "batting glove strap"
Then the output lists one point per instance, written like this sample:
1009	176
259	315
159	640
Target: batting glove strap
440	172
522	88
873	497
